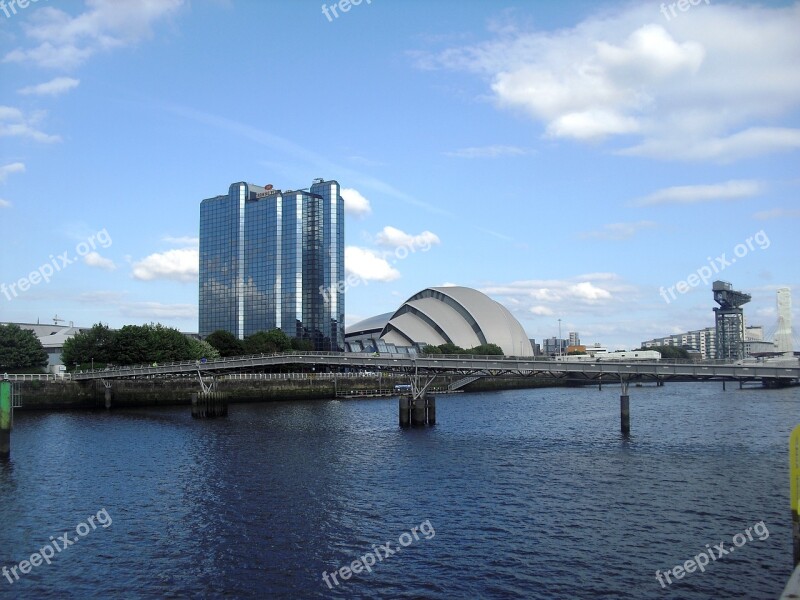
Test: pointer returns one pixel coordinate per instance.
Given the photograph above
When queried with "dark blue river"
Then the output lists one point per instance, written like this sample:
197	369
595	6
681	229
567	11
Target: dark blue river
518	494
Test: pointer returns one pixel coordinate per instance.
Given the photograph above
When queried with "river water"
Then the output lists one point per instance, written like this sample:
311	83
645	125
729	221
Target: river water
516	494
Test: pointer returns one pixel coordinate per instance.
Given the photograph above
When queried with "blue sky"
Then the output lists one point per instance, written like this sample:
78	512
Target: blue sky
573	160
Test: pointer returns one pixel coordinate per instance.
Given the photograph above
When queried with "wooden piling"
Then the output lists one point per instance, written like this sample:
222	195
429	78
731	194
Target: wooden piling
430	402
108	397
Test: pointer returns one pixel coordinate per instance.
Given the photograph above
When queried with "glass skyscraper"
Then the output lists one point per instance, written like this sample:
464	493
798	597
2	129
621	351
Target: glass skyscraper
272	259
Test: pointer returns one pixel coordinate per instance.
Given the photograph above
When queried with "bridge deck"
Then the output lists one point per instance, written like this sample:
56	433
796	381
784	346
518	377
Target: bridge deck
463	365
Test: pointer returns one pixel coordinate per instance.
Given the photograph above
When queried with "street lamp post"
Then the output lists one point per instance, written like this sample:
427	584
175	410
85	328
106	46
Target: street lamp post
92	363
559	337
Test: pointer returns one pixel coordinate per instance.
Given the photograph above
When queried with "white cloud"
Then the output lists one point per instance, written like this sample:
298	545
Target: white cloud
709	86
777	213
184	240
64	41
14	123
487	152
178	265
54	87
754	141
5	203
692	194
392	237
590	295
154	311
368	265
7	170
617	231
354	203
93	259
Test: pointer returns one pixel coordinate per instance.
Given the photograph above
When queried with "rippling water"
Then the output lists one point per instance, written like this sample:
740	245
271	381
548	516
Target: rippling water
530	493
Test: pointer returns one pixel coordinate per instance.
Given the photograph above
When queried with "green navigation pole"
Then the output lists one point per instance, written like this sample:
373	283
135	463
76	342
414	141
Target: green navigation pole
5	418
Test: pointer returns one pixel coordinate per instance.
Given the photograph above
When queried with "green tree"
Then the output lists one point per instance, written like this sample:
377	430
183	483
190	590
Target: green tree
669	351
153	343
97	343
446	348
202	349
304	345
487	350
267	342
20	349
226	343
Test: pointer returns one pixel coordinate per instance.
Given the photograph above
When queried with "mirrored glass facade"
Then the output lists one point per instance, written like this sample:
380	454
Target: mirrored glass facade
272	259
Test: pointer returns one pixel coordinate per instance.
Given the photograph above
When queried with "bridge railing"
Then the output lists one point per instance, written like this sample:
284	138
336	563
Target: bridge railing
231	361
37	376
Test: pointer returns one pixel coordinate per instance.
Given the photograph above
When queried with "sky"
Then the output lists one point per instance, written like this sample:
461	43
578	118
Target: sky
591	165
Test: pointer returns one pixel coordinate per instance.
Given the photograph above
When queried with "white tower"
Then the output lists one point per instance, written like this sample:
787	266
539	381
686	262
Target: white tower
783	335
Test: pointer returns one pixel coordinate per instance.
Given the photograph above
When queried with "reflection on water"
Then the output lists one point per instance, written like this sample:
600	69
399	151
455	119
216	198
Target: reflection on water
532	494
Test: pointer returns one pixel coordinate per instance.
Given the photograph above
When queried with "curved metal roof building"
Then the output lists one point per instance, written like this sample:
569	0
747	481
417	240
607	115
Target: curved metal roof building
437	315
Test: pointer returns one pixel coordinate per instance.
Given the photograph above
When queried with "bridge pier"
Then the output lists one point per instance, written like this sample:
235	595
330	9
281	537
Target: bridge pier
5	418
418	411
405	414
209	405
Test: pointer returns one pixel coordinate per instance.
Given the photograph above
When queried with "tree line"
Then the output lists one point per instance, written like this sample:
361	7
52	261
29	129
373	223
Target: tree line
450	348
155	343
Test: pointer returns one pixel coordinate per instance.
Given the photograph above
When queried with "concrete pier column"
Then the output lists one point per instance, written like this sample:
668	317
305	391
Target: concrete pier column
405	417
108	397
5	419
625	413
431	406
418	411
